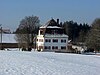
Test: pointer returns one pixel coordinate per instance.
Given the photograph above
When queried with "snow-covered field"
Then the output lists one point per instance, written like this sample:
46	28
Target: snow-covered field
48	63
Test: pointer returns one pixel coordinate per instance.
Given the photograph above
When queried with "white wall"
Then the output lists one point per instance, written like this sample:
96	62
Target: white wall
59	44
51	37
40	43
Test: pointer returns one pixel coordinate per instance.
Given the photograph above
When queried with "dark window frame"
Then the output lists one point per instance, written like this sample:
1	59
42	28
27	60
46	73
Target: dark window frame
47	47
63	47
54	47
55	40
63	40
47	40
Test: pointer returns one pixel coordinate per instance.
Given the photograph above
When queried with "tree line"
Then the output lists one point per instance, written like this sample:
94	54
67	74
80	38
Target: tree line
78	33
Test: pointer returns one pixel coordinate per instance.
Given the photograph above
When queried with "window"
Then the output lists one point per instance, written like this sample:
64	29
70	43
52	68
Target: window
47	40
47	47
63	47
40	40
63	40
55	40
54	47
40	47
41	32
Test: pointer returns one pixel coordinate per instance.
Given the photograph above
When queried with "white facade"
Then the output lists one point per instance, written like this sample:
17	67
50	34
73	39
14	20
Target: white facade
40	42
57	45
52	42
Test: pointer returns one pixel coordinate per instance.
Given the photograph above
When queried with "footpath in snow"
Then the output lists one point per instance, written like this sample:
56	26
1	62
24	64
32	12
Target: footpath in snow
48	63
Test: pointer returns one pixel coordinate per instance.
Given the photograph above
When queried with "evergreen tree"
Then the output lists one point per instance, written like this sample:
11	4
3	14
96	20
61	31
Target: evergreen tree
93	39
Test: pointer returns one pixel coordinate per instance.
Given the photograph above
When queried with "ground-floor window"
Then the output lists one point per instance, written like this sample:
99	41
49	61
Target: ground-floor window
54	47
63	47
40	47
47	47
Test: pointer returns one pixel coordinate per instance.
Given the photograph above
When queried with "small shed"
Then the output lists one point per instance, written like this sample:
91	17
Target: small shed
8	41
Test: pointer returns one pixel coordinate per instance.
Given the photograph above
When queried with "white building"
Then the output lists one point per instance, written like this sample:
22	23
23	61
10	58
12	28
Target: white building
6	31
52	37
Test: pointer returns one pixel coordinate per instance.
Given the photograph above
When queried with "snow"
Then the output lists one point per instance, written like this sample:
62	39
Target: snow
46	26
53	27
48	63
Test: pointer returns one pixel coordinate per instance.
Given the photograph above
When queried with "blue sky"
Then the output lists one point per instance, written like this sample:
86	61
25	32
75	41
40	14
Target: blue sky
81	11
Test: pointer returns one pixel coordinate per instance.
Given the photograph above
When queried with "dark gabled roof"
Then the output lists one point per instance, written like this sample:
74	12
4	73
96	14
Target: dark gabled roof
52	26
51	22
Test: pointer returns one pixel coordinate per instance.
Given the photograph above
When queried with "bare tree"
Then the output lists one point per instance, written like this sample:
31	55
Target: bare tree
22	40
27	30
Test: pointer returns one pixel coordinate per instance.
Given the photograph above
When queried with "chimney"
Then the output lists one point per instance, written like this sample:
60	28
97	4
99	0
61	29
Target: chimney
57	21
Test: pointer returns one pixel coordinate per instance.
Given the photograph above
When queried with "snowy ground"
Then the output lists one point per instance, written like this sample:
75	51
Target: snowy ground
48	63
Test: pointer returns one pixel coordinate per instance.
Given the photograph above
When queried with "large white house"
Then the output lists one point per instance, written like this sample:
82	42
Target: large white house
51	37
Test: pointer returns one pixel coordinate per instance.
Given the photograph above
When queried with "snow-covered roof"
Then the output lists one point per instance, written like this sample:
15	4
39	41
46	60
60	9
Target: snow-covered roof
7	31
44	26
53	27
8	38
